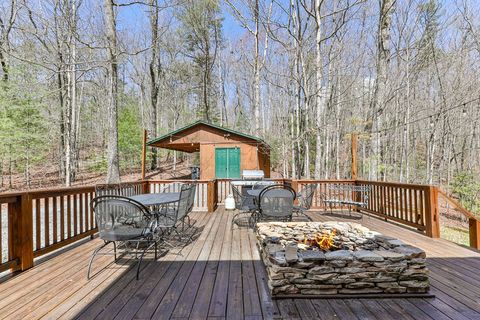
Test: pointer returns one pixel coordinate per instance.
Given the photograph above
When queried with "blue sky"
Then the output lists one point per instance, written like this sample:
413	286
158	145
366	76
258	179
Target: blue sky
135	18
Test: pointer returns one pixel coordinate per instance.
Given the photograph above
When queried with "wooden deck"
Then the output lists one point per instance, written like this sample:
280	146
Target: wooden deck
220	275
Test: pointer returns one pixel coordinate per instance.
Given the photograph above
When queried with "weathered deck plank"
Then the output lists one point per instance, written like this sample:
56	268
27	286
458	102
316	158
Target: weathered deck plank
220	276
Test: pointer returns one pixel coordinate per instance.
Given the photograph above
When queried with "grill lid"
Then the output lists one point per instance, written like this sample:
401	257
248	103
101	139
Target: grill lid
253	174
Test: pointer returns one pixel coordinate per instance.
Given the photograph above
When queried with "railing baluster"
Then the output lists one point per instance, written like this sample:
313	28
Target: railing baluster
75	214
62	218
54	220
37	225
46	219
93	223
85	210
69	216
80	211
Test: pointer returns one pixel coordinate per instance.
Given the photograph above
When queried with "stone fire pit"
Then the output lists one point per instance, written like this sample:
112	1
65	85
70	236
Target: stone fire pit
362	262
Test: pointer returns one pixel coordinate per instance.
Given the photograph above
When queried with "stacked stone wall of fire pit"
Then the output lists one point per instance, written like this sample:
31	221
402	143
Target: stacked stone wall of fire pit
361	261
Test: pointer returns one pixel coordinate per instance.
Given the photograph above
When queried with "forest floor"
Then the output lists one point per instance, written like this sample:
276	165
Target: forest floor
49	177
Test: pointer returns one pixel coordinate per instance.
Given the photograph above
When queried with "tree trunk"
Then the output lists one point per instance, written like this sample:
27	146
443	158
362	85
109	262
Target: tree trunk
71	103
155	69
318	98
113	171
379	95
256	73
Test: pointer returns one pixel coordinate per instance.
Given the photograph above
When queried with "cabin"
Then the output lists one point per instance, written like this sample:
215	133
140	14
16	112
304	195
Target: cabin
224	153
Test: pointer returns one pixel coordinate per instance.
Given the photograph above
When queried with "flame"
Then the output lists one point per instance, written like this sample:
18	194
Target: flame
324	241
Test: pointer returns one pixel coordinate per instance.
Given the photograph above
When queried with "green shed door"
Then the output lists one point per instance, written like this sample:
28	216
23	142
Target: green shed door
227	162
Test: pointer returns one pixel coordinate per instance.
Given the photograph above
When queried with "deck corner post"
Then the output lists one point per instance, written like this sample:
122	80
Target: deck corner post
474	232
354	156
212	195
22	228
432	223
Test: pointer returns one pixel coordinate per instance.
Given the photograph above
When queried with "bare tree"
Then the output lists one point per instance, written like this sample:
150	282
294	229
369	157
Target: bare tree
6	25
155	71
113	170
380	92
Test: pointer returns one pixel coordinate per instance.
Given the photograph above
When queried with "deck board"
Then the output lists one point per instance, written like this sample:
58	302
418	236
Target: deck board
220	276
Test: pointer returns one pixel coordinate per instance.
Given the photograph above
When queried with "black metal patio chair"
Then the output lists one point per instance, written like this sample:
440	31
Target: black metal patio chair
119	189
305	199
169	218
125	223
275	203
244	203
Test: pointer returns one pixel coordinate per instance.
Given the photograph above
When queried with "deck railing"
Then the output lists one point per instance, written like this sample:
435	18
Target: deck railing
35	223
473	221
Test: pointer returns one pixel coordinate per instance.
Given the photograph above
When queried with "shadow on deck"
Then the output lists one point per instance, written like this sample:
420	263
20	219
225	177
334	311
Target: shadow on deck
220	275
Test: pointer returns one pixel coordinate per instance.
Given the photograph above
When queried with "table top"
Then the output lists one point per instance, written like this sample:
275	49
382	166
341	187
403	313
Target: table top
272	193
253	182
155	199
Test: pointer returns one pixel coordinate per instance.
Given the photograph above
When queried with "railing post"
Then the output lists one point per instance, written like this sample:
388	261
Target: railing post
432	223
145	186
474	232
294	185
212	195
354	156
22	231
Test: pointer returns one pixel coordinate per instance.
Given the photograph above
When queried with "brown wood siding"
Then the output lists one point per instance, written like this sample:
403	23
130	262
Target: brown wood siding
203	134
264	161
248	158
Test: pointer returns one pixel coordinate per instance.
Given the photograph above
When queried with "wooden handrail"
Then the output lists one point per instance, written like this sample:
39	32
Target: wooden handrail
456	204
473	221
395	184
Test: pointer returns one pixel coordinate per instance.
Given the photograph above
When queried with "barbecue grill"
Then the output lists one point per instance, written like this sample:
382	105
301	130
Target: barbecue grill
253	175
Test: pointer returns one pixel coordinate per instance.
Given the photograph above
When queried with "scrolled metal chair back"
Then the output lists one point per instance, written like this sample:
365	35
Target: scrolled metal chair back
308	192
237	196
118	189
183	205
276	201
191	198
114	212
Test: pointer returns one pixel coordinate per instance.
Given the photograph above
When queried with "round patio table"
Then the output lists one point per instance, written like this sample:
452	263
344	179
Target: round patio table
157	199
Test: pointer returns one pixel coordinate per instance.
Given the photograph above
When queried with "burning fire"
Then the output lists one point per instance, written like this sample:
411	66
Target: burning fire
324	241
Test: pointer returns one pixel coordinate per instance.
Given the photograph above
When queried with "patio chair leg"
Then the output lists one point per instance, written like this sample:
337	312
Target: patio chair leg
93	256
143	254
115	250
234	218
180	237
139	263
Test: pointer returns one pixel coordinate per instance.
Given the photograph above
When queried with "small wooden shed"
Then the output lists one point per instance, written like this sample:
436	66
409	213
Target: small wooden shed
224	153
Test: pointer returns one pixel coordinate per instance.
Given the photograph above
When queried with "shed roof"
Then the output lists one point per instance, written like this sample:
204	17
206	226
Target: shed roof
165	141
